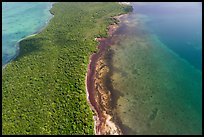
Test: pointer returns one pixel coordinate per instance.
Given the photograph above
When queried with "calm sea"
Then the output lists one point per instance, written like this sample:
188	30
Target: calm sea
20	19
157	69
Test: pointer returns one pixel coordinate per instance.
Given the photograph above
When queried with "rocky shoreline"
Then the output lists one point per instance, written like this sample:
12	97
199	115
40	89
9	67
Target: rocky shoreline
98	95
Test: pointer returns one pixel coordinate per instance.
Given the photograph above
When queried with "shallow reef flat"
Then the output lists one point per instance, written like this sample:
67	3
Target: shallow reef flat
155	90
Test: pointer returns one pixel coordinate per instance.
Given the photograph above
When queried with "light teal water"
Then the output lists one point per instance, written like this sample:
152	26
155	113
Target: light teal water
178	25
20	19
156	67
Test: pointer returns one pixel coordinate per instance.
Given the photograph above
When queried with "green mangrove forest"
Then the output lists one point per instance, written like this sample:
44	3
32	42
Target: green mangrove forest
43	89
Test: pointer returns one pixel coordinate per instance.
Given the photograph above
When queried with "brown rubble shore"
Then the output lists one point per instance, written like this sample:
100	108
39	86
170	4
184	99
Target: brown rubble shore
98	94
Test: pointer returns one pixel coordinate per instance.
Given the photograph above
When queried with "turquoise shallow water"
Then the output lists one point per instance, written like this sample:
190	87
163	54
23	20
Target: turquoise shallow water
20	19
178	25
156	69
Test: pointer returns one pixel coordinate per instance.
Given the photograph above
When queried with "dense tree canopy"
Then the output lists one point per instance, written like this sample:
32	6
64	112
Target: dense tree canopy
44	87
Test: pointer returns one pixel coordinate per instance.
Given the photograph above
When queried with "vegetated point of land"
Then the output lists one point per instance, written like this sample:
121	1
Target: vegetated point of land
43	89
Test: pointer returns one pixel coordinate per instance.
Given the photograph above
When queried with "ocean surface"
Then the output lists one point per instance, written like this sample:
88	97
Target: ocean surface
156	63
157	73
21	19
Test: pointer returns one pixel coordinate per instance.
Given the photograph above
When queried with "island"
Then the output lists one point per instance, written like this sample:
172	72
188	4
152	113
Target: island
44	88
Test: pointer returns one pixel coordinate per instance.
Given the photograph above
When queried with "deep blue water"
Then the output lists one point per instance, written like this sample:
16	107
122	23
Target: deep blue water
178	25
157	69
20	19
